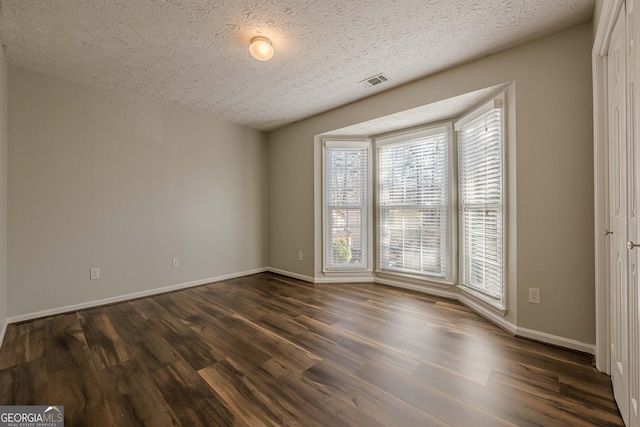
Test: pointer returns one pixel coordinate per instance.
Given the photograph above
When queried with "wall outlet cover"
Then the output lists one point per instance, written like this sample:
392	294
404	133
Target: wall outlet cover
534	295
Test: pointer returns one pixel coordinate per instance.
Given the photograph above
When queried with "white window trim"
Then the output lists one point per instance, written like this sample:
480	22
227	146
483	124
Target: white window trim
347	142
500	306
495	102
408	136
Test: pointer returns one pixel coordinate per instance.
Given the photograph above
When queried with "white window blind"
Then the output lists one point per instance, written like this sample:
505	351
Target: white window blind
413	185
346	205
481	201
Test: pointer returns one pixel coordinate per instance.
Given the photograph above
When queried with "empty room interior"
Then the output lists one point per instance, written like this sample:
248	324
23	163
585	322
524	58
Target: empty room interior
319	213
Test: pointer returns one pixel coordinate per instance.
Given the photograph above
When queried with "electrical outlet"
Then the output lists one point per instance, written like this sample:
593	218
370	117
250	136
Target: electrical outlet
300	255
175	262
534	295
94	273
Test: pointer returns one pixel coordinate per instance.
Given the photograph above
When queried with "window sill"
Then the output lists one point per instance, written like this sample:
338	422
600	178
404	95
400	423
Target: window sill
497	307
420	280
346	276
347	271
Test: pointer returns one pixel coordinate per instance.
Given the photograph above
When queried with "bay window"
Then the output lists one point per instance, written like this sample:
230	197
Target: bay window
439	204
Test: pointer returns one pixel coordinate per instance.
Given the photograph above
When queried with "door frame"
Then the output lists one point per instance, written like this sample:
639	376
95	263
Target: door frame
599	56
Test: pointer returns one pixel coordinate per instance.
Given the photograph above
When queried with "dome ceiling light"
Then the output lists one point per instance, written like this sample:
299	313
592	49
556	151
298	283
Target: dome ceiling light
261	48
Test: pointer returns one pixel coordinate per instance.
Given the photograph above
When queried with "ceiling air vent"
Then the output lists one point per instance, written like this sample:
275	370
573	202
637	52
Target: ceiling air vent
374	80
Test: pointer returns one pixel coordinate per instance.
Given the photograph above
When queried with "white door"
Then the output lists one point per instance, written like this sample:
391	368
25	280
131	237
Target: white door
618	216
633	168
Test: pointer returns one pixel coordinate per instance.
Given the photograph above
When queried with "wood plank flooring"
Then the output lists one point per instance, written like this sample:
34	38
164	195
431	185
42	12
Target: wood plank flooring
266	350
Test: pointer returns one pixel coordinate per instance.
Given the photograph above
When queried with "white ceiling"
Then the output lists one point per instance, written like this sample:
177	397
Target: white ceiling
194	52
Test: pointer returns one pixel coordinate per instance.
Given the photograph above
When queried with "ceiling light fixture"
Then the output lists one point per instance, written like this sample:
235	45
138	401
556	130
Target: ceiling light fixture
261	48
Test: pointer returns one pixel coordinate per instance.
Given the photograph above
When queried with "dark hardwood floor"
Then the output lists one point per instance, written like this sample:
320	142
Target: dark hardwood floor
267	350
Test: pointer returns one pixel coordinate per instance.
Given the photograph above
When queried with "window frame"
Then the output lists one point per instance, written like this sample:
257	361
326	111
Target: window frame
346	143
496	102
406	136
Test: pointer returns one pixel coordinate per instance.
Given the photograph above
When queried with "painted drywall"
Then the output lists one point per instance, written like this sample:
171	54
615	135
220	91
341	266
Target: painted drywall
554	173
100	179
597	13
291	199
3	189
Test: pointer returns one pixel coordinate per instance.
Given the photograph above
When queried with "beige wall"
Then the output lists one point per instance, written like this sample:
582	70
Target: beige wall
554	173
3	189
291	198
98	179
597	13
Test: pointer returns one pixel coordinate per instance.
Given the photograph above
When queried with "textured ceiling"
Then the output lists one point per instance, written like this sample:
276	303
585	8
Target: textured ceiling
194	52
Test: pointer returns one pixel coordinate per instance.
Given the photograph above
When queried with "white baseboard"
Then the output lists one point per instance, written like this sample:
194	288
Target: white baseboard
126	297
291	274
3	331
488	314
444	293
556	340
